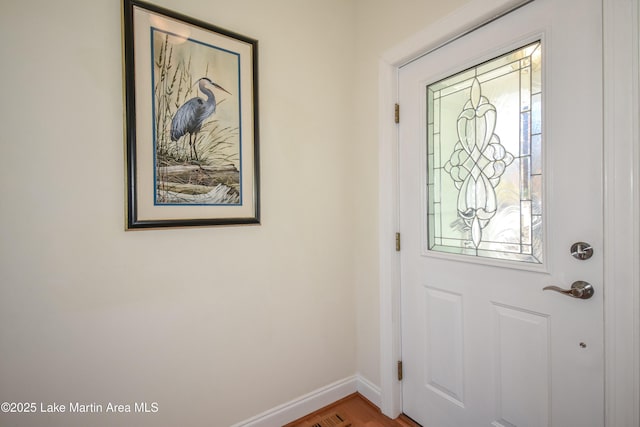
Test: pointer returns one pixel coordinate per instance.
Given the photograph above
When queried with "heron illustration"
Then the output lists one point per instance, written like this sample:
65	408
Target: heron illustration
190	116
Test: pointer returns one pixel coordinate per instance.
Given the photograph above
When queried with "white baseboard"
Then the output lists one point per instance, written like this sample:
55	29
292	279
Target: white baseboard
313	401
369	390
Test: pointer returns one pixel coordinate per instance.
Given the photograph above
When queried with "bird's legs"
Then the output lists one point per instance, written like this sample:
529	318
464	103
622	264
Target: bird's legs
193	153
184	146
191	142
195	139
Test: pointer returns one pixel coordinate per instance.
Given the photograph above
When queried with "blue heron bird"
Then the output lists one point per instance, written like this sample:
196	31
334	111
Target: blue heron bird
191	115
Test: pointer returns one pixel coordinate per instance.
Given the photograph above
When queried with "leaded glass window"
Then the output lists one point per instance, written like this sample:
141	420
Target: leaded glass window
484	159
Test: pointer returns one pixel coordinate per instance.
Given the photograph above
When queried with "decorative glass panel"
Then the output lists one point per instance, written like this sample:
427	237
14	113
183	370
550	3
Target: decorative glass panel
484	159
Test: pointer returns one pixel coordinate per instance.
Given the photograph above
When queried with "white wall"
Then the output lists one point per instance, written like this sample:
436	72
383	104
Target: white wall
215	324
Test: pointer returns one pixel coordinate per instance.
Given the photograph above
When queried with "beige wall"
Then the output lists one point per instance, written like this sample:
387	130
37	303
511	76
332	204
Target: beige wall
215	324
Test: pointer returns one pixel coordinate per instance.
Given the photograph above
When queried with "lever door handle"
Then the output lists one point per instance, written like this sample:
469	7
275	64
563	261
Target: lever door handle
579	289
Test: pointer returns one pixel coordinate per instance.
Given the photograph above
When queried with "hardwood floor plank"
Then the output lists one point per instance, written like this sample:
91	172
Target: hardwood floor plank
352	411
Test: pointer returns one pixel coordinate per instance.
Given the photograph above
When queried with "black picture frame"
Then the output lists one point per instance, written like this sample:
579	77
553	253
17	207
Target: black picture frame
191	121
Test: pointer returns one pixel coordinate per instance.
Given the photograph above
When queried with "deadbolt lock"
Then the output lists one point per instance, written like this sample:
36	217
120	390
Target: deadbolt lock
581	251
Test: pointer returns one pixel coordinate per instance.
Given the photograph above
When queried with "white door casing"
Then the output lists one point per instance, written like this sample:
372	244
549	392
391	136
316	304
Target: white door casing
622	372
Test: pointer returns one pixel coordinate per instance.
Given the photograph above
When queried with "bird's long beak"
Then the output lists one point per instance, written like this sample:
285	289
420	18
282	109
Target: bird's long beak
220	87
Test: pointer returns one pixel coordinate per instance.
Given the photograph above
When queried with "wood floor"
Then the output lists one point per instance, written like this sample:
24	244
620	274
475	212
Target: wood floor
352	411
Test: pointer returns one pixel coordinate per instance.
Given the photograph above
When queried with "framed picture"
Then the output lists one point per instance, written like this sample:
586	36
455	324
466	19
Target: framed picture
191	100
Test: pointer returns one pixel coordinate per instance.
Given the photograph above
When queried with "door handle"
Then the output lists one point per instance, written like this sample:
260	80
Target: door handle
579	289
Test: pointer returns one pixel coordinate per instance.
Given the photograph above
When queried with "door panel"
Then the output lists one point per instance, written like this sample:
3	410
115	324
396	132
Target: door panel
482	343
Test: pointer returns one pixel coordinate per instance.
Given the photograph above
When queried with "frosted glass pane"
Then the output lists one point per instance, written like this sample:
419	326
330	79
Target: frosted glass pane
525	89
484	140
436	116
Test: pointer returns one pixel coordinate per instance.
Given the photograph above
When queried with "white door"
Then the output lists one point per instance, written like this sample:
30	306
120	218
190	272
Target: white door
500	174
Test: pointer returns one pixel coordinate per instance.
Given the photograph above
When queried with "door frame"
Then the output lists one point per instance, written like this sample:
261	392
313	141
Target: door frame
621	182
